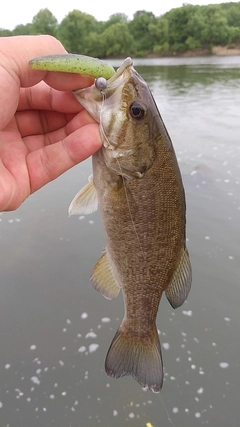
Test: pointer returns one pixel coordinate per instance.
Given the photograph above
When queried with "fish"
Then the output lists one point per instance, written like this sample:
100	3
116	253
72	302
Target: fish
137	185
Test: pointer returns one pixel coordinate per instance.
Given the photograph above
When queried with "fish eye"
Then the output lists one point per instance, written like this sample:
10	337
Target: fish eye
137	111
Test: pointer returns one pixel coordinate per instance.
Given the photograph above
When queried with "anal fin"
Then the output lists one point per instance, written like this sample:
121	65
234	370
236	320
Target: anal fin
179	287
103	279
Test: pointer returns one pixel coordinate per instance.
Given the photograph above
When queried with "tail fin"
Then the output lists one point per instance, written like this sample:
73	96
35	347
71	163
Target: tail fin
141	359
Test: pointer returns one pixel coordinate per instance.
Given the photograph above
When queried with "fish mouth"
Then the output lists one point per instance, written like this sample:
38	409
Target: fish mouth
93	97
121	76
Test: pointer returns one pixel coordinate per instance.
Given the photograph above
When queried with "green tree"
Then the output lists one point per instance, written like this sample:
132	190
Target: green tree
44	23
95	46
5	33
21	30
178	24
159	31
115	19
216	30
74	29
117	40
140	28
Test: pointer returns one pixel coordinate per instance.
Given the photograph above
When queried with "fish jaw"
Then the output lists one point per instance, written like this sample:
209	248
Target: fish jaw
92	98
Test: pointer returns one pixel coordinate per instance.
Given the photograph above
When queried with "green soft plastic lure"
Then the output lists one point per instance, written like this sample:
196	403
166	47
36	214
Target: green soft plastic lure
71	63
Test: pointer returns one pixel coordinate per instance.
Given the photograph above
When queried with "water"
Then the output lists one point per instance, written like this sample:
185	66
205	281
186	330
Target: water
55	329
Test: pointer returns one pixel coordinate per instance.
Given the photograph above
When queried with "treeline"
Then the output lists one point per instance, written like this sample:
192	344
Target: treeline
181	29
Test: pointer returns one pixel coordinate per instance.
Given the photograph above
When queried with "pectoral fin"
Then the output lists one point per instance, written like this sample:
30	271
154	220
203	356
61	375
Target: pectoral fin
103	279
179	287
85	202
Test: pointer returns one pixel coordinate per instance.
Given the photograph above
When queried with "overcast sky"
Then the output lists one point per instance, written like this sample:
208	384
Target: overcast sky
22	11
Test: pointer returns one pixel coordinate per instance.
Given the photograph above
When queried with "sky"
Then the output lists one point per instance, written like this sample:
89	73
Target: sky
23	11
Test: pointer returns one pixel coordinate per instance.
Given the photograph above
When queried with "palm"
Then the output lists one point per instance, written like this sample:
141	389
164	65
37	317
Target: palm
39	143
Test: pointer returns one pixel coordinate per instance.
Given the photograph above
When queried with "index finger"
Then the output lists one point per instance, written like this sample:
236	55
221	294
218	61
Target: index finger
15	53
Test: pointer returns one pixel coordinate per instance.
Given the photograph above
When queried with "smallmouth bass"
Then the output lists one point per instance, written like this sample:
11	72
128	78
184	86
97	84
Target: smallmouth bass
137	184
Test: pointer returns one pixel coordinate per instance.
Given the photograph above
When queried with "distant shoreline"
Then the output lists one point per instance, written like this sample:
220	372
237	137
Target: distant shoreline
229	50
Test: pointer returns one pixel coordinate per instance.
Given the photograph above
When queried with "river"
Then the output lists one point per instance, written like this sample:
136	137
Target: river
55	329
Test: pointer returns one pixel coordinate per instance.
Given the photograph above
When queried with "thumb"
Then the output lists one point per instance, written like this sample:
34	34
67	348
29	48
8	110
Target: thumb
15	53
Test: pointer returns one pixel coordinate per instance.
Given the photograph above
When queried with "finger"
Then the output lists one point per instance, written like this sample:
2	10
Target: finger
49	162
68	81
15	52
42	97
50	124
18	51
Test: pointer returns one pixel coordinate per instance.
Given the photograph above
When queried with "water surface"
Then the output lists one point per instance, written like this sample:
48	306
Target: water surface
55	329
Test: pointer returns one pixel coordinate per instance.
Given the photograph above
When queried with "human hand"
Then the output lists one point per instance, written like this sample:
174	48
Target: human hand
44	131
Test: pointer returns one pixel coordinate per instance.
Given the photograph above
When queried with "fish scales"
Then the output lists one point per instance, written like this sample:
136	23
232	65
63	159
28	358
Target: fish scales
138	186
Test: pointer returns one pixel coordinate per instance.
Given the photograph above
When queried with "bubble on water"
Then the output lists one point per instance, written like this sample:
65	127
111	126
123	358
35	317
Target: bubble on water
64	393
227	319
81	217
231	257
93	347
20	393
131	415
1	405
193	366
207	237
166	345
106	320
68	321
35	380
200	390
7	366
224	365
84	316
64	330
90	334
115	412
82	349
175	410
33	347
51	396
187	313
197	415
91	222
61	363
